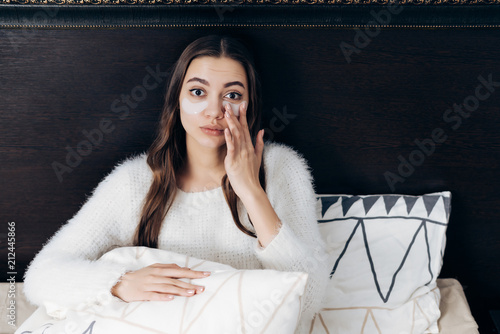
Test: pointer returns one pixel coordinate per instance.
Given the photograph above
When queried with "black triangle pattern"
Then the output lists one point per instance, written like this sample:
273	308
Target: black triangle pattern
410	202
347	202
447	206
389	201
368	202
385	298
430	202
326	202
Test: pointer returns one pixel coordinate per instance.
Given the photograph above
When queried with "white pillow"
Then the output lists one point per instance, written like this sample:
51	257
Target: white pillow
386	253
234	301
12	315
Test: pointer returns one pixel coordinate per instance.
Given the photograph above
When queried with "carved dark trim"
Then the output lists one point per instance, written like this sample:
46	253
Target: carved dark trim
251	2
247	15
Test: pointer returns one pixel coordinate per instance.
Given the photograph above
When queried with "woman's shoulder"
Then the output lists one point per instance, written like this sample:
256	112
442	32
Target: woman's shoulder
135	161
132	167
279	155
283	162
287	173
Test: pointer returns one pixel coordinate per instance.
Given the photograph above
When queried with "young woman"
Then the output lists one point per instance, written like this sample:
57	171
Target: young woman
208	187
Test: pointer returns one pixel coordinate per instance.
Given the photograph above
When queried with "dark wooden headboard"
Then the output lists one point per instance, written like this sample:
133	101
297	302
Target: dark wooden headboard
379	97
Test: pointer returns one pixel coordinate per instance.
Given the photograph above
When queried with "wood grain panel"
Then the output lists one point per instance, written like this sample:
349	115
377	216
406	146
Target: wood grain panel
351	121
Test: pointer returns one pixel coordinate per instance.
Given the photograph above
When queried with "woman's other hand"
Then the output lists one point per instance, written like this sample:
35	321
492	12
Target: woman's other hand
242	161
157	282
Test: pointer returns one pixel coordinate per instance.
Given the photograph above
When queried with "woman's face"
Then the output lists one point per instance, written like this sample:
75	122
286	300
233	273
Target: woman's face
210	83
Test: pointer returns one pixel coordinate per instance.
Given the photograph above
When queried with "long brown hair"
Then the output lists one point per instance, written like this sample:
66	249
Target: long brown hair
167	154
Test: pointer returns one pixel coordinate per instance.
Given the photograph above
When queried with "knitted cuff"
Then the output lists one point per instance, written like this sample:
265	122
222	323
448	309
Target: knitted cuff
284	252
71	284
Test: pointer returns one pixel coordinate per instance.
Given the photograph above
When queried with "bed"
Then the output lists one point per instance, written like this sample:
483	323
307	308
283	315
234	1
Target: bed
366	90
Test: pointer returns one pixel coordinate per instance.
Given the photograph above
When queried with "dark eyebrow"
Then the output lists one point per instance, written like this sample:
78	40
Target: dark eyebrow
205	82
234	83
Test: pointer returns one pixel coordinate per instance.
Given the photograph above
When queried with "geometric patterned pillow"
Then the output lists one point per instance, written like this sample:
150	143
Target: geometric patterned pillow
385	255
234	301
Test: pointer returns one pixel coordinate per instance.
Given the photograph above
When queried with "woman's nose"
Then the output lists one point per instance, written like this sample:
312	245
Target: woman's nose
215	109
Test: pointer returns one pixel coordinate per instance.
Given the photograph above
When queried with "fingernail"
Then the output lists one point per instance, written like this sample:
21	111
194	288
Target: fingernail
227	114
190	291
244	104
206	273
202	289
169	297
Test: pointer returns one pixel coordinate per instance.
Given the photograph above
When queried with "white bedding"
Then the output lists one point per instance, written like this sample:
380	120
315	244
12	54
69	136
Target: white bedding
456	317
234	301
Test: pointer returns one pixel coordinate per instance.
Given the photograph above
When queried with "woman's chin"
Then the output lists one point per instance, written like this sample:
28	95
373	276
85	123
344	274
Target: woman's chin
213	143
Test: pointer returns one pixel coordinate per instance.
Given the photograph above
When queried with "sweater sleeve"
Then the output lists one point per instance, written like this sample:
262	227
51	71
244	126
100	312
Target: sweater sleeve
65	273
298	246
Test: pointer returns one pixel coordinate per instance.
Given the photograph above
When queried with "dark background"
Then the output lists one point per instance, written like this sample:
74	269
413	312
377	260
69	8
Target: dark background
352	122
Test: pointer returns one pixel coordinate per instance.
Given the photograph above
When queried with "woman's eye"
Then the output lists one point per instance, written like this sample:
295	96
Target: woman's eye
234	95
196	91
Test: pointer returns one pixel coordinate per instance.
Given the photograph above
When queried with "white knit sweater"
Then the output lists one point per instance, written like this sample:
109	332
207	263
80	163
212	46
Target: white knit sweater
198	224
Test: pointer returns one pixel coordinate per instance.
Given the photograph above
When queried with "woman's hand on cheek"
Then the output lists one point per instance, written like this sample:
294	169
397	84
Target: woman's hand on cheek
243	160
157	282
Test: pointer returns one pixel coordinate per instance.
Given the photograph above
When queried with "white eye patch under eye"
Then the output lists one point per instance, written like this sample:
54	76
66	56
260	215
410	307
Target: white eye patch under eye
234	107
193	108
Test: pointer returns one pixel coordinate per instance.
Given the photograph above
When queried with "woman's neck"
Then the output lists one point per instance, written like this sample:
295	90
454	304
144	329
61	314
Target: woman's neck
204	168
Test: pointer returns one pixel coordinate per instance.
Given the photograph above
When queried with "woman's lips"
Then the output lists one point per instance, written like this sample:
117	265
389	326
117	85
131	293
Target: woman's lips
213	132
